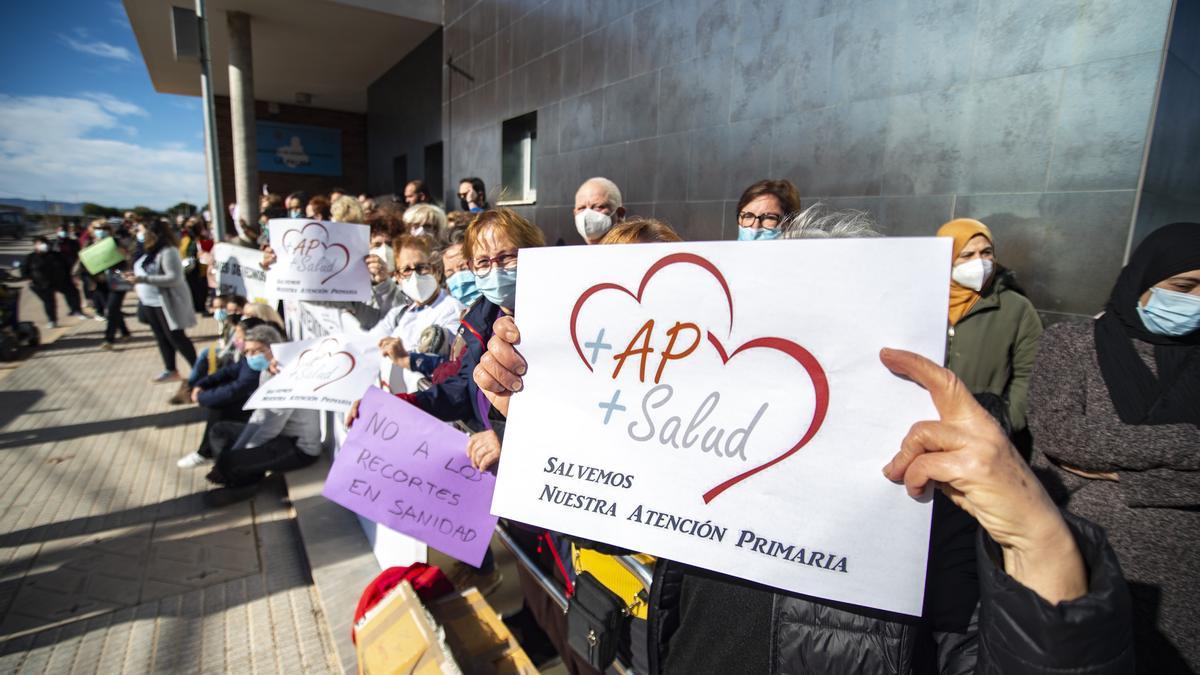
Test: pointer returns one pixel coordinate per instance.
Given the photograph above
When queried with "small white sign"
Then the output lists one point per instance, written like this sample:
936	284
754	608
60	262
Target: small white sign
319	260
326	373
723	405
238	270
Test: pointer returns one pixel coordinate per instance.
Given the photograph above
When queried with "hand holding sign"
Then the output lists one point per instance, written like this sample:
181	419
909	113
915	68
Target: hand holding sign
499	371
981	472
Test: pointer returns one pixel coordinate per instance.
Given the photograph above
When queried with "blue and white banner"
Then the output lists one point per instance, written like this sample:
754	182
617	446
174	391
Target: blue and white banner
292	148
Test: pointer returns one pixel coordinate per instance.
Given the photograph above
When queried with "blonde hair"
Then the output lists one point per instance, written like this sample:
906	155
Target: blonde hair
640	231
522	232
346	209
262	312
427	217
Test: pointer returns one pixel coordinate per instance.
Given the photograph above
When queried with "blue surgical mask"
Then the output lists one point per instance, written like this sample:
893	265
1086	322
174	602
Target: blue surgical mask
141	236
756	234
221	315
100	234
1170	312
258	362
463	287
499	286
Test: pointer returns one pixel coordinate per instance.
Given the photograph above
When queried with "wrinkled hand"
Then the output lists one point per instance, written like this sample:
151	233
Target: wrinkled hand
375	268
500	369
196	395
974	463
484	449
352	413
269	257
273	368
393	349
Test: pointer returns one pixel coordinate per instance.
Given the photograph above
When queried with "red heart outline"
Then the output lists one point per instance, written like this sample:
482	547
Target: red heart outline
801	355
820	388
300	232
673	259
319	345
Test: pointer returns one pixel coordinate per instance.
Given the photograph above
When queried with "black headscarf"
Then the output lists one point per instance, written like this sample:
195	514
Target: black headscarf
1141	397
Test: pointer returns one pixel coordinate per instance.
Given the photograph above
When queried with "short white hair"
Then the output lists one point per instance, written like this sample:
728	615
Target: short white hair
612	193
821	222
427	216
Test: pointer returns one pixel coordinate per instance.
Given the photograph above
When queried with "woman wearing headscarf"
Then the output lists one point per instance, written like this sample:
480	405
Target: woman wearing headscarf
993	331
1115	412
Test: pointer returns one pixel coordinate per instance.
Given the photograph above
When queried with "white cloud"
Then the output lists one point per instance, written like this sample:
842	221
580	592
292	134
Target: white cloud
115	105
96	47
46	148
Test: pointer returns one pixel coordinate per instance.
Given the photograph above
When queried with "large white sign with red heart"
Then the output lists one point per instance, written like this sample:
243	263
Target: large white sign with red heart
723	405
319	260
326	373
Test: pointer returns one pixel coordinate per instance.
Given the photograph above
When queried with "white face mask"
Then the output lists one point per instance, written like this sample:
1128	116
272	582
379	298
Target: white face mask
385	253
419	287
418	231
973	273
592	224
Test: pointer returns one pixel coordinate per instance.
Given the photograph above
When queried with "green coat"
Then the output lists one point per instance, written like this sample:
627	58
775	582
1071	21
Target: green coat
993	347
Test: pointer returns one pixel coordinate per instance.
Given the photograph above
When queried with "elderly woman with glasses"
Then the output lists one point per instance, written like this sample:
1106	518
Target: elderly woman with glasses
431	307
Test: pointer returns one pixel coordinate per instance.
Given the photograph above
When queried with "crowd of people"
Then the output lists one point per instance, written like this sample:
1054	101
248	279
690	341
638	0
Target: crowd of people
1064	533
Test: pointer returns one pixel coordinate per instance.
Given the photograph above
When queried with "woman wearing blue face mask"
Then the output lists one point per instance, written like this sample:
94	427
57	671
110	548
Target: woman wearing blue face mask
491	246
1115	414
762	208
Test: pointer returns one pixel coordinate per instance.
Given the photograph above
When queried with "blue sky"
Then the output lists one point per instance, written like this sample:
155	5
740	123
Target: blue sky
79	119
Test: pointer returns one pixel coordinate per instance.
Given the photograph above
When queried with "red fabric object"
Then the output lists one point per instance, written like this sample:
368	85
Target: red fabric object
410	399
206	244
427	580
445	371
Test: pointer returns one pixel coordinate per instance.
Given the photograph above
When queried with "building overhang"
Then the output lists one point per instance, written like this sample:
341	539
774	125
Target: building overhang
329	51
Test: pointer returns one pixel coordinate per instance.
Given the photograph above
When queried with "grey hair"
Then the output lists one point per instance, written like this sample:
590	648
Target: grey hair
612	193
821	222
264	333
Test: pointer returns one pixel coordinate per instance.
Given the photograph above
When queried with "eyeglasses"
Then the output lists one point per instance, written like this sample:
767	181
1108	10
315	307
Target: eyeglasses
482	265
769	221
463	195
419	268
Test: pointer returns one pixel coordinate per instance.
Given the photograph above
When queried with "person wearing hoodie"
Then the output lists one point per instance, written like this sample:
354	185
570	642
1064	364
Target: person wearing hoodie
223	394
271	440
993	331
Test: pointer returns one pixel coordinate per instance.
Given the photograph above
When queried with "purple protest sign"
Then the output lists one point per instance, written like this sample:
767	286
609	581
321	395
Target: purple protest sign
405	469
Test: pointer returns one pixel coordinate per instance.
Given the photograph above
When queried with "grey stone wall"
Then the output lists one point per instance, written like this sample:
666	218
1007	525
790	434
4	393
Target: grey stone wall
1171	190
402	114
1031	115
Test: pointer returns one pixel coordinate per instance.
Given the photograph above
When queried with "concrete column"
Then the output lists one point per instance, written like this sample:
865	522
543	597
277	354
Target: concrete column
241	108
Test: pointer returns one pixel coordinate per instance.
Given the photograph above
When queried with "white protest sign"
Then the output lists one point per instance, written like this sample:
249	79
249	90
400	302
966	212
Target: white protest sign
238	270
723	405
319	260
326	373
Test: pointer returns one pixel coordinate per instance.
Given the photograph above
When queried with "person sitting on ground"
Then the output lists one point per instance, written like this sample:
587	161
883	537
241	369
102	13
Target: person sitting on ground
598	207
227	312
223	394
274	440
48	275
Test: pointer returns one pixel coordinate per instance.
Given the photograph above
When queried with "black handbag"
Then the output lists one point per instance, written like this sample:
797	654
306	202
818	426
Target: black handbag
595	618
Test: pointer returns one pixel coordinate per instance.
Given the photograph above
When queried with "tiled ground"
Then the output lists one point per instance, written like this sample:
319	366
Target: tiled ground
109	561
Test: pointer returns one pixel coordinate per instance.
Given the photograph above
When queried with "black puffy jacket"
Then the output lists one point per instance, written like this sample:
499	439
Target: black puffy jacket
1018	632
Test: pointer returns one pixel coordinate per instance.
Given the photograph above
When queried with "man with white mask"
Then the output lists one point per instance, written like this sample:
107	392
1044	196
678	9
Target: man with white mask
597	208
420	279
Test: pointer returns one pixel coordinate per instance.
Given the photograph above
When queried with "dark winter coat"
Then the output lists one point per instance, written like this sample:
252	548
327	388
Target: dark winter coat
229	387
993	347
46	271
1018	632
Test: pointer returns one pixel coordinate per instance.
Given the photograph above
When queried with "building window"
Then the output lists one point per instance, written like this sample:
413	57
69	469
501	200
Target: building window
518	147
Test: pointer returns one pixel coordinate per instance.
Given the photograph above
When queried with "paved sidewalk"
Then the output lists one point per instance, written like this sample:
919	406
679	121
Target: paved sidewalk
109	560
